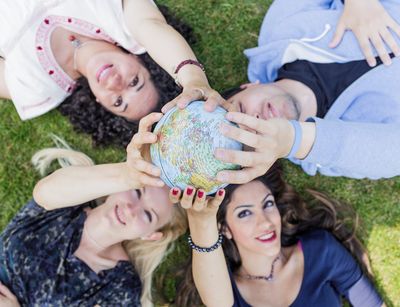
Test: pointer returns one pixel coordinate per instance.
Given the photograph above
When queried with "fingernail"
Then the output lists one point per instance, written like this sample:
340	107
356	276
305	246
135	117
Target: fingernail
200	194
189	191
221	192
175	191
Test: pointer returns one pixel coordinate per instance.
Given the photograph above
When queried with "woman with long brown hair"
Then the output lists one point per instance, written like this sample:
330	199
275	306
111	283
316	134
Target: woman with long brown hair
277	250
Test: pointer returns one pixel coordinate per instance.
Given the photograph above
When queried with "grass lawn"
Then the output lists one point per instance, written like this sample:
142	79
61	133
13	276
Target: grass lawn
223	29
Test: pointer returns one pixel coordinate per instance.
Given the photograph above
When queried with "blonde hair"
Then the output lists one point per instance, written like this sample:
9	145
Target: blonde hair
145	255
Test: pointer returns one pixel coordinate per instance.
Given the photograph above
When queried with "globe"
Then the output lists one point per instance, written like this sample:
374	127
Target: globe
185	148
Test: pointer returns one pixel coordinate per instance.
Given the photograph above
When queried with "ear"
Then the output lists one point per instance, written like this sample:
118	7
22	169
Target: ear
153	236
225	231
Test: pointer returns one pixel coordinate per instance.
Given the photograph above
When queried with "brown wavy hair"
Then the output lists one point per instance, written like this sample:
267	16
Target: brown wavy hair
298	216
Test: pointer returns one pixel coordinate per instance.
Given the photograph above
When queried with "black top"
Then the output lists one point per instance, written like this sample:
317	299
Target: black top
327	81
38	264
329	273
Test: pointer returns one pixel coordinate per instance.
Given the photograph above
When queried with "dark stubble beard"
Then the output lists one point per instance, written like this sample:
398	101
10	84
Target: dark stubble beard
294	105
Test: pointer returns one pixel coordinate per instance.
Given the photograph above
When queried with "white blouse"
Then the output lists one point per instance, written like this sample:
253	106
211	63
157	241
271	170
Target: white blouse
35	81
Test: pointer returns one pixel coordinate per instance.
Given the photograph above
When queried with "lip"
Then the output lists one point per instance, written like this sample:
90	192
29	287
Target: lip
119	214
102	72
268	237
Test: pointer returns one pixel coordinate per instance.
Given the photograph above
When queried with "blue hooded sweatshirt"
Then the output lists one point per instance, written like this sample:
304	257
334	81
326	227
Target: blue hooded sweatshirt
360	135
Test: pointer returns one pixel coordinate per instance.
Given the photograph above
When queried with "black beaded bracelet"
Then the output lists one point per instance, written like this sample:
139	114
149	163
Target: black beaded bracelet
205	249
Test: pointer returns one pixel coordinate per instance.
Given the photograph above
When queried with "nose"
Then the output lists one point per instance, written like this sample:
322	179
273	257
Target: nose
114	83
263	221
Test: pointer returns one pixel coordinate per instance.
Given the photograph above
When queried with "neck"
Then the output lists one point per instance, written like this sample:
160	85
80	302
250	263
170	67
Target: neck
302	94
97	248
260	265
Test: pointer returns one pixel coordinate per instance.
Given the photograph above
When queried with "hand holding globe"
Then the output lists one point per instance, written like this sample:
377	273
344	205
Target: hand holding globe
184	151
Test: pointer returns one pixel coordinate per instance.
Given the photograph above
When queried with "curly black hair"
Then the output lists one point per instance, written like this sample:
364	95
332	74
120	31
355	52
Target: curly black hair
106	128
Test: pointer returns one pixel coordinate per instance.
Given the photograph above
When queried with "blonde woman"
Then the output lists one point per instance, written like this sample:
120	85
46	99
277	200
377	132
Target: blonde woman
60	250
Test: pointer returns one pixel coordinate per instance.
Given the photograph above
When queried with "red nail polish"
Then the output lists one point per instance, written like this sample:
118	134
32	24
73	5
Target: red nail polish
175	191
200	194
189	191
220	192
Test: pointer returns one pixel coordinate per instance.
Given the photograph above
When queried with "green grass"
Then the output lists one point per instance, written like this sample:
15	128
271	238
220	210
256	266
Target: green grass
223	29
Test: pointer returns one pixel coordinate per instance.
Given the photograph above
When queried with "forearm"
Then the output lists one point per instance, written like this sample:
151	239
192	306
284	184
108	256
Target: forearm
356	149
163	43
4	93
210	271
75	185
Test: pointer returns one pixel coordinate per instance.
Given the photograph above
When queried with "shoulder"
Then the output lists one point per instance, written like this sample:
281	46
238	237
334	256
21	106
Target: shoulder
320	240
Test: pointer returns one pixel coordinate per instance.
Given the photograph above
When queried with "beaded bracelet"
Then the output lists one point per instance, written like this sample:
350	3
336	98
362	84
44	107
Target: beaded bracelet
183	63
205	249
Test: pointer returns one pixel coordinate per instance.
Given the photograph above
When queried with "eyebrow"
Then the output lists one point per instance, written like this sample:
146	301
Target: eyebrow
140	87
155	213
249	206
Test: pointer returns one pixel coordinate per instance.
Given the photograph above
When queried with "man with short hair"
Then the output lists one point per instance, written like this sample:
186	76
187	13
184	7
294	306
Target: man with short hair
325	109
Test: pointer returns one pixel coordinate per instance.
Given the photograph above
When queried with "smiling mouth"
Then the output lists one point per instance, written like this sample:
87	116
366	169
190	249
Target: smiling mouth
267	238
119	215
102	72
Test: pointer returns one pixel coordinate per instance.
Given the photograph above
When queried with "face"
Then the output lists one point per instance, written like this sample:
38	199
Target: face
137	213
266	101
121	83
253	220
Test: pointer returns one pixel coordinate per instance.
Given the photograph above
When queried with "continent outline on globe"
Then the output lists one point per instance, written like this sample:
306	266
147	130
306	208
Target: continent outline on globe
185	148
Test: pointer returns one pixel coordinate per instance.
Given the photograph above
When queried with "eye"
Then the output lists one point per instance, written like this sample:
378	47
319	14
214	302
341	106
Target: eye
149	216
244	213
134	82
139	193
118	102
268	204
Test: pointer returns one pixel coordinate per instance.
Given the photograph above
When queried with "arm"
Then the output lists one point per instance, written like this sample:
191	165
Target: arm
4	93
150	29
346	276
370	23
209	269
333	147
355	149
75	185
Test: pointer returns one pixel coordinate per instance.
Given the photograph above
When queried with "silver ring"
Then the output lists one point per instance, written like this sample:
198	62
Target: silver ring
201	92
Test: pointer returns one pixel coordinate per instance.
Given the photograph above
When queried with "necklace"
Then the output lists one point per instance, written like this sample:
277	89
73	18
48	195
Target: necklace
269	277
77	44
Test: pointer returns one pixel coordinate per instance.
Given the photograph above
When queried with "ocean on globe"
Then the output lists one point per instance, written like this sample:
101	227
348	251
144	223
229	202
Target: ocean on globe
185	148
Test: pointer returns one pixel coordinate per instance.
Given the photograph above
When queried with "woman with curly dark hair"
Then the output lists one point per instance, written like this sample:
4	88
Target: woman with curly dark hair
277	250
47	46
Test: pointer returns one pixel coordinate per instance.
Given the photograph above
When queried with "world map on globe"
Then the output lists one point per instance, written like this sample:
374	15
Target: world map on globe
185	148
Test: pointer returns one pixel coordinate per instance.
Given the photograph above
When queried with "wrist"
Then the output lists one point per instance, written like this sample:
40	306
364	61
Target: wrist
203	233
191	75
126	178
307	140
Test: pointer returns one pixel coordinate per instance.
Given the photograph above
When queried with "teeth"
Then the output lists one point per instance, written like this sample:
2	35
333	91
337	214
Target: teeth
266	236
103	72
